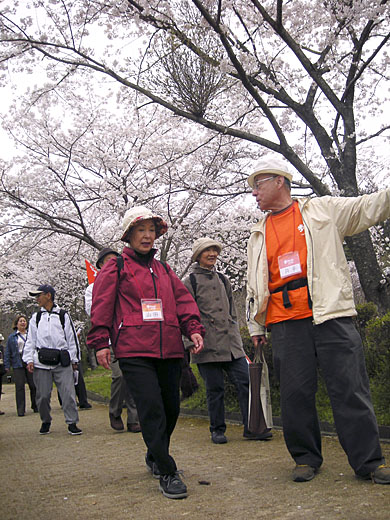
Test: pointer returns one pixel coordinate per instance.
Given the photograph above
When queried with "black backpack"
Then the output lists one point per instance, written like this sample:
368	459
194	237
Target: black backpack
61	315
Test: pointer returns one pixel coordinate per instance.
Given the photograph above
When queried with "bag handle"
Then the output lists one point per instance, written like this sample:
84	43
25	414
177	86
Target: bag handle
259	354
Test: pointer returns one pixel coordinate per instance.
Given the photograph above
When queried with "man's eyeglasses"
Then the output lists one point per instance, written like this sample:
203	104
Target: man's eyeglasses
257	184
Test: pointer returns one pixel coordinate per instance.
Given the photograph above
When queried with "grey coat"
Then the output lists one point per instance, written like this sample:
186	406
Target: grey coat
222	341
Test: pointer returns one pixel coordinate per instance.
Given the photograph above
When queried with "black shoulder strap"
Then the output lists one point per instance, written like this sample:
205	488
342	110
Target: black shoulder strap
61	315
193	284
62	318
223	278
165	265
119	263
38	317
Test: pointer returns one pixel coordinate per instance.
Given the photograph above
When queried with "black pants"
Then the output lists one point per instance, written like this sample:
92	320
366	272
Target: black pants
21	376
212	373
299	347
80	388
154	384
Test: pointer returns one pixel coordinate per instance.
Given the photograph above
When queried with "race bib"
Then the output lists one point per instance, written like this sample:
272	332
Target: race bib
289	264
152	310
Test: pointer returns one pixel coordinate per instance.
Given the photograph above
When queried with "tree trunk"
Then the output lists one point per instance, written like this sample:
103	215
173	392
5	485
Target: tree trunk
369	272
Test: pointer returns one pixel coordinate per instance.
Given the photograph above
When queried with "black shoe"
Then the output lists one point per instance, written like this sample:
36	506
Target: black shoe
73	430
134	428
171	486
20	414
218	438
85	406
152	467
258	436
380	475
116	423
303	473
35	410
45	428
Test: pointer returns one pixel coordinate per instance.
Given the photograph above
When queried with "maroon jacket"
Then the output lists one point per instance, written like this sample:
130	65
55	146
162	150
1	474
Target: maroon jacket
116	309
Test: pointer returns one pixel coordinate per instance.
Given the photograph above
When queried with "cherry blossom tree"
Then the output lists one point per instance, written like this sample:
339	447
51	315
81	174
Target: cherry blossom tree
63	196
305	80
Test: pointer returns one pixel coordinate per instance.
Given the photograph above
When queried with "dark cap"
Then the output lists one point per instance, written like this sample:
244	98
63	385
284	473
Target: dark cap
45	288
104	252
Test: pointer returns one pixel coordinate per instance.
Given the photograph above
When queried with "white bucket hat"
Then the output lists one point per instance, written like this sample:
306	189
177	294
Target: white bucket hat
273	165
1	337
203	243
137	214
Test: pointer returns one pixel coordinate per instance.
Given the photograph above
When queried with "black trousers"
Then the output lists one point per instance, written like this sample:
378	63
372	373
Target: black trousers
212	373
21	376
80	388
299	347
154	384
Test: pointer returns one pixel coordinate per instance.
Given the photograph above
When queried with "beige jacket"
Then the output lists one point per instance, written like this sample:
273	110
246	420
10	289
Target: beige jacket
327	220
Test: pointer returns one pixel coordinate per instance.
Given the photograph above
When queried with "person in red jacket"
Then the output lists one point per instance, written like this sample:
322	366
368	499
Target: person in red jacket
142	307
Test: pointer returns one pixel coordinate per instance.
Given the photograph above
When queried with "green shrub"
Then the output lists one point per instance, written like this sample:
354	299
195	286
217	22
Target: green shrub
378	354
375	332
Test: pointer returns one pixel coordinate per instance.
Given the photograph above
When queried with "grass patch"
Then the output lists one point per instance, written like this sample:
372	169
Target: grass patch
98	381
198	400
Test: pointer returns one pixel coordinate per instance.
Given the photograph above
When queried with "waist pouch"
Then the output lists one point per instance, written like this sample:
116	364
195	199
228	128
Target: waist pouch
64	358
49	356
292	286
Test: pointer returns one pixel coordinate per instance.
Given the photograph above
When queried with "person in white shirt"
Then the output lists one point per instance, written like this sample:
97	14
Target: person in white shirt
52	354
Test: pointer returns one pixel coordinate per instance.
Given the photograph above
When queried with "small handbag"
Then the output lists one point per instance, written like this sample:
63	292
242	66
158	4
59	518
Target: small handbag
64	358
49	356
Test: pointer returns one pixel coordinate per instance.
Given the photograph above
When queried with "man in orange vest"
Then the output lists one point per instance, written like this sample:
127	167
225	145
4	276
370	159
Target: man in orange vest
300	289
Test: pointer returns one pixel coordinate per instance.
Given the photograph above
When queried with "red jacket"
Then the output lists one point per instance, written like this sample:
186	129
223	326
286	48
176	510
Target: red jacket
116	313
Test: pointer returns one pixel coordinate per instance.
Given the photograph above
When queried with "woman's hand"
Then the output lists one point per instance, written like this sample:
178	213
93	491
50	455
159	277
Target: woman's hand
103	357
197	341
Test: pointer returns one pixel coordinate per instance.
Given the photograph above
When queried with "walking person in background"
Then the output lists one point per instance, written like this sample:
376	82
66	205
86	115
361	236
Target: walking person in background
120	392
223	350
79	383
143	309
52	354
13	359
2	367
300	288
81	390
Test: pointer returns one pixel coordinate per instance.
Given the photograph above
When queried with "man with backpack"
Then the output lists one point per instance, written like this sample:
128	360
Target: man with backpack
223	350
52	354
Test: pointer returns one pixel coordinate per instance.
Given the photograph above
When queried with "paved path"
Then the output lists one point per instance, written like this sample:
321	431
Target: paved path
101	475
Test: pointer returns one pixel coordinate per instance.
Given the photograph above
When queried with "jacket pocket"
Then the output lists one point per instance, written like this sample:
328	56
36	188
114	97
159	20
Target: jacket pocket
133	320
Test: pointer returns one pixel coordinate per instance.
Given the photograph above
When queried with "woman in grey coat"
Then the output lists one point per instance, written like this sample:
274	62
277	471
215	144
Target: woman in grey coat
223	351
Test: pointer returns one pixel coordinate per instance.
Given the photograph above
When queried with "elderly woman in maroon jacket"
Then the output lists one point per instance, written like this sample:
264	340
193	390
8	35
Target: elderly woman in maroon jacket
142	307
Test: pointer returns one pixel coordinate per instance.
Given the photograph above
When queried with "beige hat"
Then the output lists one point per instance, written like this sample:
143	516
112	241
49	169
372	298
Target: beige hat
203	243
137	214
273	165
